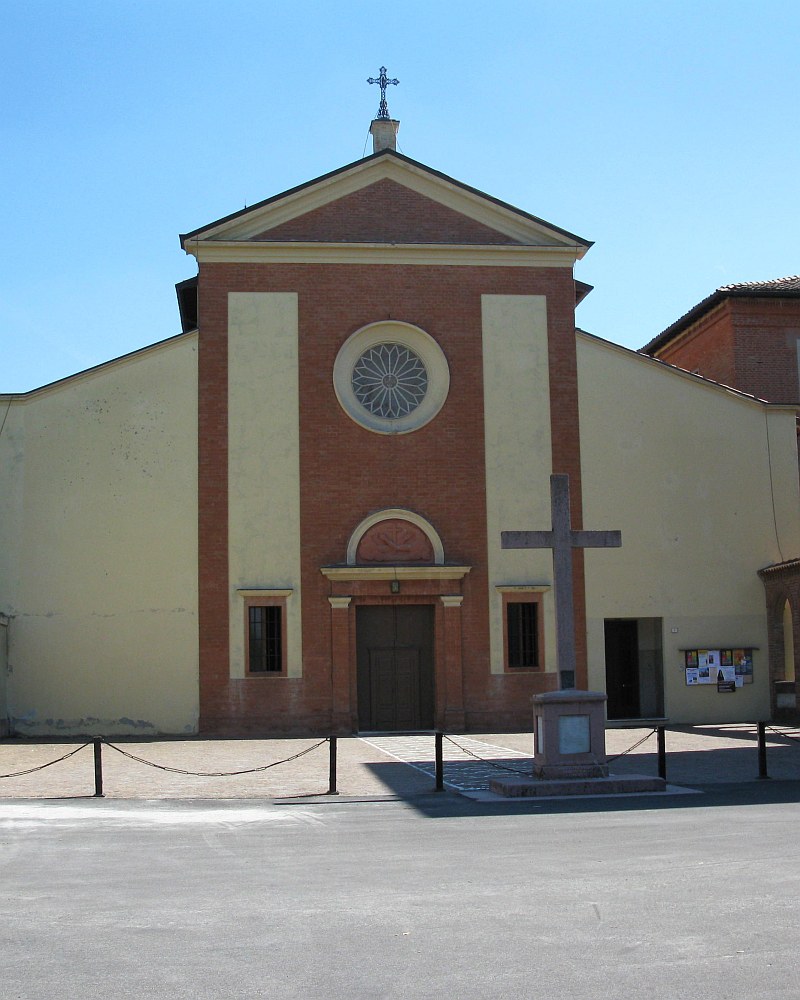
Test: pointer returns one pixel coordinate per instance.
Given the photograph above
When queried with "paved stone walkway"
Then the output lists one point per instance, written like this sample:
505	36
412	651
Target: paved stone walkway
469	764
373	766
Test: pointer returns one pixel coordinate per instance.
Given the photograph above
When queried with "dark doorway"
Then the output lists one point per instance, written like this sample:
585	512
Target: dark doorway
622	668
634	677
395	667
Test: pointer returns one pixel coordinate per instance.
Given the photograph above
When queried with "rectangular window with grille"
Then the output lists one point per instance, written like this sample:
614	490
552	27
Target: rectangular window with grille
522	634
265	639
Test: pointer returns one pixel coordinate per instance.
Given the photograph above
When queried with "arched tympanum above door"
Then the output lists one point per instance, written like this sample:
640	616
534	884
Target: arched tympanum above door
395	536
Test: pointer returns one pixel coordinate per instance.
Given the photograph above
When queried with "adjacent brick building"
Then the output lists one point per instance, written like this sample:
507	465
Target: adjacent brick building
747	336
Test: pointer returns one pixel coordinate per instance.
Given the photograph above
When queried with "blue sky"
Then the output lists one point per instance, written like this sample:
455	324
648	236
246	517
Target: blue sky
665	132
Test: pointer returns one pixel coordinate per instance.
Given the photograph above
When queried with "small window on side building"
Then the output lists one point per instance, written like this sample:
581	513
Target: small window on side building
265	639
522	635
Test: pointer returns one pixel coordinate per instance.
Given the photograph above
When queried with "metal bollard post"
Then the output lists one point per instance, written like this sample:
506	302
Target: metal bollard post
662	752
439	763
332	767
762	749
98	766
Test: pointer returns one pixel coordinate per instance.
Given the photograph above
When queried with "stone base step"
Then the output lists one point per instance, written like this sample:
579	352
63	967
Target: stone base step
612	785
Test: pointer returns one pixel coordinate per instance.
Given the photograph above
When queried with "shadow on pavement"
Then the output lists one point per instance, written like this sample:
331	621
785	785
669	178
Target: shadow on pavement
740	787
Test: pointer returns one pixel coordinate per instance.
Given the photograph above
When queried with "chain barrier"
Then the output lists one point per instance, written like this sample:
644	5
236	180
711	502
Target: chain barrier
787	736
332	772
514	770
213	774
41	767
98	741
483	760
638	743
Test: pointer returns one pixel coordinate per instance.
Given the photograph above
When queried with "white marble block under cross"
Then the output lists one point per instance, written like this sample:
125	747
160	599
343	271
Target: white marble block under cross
562	539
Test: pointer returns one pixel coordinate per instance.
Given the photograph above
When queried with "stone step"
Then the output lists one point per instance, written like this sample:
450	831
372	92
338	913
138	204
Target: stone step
612	785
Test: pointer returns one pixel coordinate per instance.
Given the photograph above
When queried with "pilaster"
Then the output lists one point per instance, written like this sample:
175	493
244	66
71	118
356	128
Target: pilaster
453	667
342	721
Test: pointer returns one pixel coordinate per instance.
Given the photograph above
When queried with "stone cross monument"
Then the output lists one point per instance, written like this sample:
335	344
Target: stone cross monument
562	539
568	726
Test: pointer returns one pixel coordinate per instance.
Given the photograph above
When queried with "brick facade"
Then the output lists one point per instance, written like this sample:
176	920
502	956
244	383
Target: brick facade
707	349
781	584
749	343
385	212
347	472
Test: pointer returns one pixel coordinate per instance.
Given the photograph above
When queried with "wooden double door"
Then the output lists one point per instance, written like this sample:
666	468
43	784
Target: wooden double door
395	646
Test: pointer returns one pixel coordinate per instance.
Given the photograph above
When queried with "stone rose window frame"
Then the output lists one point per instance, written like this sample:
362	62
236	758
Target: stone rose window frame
416	341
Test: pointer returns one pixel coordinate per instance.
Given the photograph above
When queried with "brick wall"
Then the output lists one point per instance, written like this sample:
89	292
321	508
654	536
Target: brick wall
348	472
747	343
707	348
385	212
781	584
766	336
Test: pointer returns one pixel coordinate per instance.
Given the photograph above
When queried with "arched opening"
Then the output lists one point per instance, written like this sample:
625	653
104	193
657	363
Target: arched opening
788	643
395	535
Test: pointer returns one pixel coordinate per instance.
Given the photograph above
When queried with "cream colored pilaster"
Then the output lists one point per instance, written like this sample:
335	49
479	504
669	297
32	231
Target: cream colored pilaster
263	461
516	392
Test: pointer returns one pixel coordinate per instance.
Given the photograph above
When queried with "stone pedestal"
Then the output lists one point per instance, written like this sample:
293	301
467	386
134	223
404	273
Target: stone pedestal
384	133
569	751
569	735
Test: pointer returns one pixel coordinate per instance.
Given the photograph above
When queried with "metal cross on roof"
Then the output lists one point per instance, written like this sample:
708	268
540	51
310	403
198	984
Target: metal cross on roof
383	82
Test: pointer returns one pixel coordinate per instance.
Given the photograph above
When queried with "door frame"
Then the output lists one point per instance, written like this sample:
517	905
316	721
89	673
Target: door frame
372	636
357	586
648	665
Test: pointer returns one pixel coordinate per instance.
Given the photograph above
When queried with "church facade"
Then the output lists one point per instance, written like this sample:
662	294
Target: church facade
288	518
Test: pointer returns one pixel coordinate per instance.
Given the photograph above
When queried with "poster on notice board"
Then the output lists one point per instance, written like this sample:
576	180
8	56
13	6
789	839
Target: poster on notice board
727	668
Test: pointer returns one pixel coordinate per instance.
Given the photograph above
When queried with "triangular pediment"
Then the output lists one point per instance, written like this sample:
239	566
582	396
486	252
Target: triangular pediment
386	199
385	212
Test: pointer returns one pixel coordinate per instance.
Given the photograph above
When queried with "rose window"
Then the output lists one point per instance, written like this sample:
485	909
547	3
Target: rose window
389	380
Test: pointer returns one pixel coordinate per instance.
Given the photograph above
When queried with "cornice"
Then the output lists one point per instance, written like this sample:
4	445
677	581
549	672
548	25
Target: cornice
265	592
350	573
500	255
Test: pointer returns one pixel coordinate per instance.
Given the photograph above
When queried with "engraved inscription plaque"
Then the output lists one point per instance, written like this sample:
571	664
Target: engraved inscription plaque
573	734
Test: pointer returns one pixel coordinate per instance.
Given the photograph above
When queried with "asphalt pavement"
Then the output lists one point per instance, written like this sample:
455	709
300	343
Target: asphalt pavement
260	884
432	896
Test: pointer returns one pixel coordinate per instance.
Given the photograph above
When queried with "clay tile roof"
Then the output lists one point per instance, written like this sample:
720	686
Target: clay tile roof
788	564
776	288
790	284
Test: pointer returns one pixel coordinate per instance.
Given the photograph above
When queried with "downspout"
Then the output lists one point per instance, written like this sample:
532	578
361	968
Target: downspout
5	722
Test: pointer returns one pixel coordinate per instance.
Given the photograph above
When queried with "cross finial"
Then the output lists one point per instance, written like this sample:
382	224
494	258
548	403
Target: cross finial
383	82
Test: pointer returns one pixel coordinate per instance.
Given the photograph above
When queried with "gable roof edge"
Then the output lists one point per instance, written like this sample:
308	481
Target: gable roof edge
208	230
85	373
748	290
685	374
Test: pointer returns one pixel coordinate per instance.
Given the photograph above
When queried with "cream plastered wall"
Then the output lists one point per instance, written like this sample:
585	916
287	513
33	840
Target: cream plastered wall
99	566
11	481
518	455
3	676
263	464
703	484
